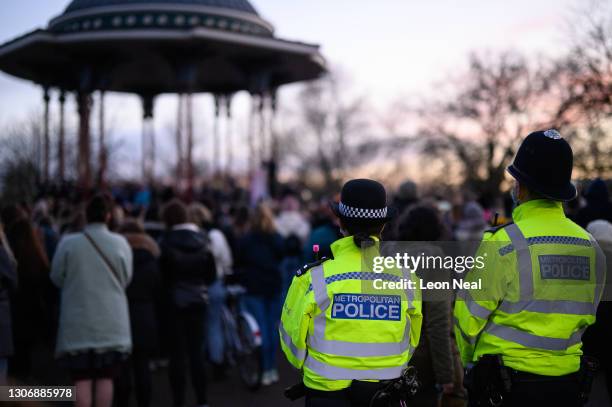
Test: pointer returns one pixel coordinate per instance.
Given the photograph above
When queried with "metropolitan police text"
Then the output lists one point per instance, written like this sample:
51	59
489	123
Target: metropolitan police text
422	262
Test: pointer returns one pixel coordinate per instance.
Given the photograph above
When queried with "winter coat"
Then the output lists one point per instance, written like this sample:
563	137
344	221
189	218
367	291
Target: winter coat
8	282
186	257
598	204
94	309
258	263
143	292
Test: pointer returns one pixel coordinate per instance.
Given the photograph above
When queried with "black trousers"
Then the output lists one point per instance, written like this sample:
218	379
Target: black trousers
187	349
543	391
138	364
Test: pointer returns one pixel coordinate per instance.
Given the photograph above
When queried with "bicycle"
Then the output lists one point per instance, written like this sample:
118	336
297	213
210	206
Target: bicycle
242	339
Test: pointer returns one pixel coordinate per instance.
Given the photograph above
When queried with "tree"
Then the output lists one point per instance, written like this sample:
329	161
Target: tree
583	80
19	161
493	105
324	132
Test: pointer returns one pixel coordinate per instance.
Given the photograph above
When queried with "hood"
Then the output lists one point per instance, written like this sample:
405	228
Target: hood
184	239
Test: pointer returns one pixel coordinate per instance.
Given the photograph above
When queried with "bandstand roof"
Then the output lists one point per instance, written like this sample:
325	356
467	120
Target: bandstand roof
160	46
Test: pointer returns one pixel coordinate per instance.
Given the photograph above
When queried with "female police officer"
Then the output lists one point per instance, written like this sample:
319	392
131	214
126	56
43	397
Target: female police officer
345	336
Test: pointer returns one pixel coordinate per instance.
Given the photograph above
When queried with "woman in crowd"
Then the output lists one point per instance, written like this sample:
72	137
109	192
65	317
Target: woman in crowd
31	302
8	283
188	268
93	269
143	296
434	357
259	254
201	216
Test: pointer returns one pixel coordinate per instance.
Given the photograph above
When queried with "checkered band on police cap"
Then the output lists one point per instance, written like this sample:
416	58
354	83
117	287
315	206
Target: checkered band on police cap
361	213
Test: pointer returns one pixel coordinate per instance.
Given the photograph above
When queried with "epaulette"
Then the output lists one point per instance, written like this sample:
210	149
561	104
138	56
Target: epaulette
495	229
304	269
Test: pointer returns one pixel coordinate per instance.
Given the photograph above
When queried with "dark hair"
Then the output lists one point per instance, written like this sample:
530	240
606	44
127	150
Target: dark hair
420	223
98	208
362	230
131	225
12	213
174	213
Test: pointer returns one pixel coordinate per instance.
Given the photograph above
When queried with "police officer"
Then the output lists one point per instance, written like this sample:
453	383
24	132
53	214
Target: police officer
345	340
542	281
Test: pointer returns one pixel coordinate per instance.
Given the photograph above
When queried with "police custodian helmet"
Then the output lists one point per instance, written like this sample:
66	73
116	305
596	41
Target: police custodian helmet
544	164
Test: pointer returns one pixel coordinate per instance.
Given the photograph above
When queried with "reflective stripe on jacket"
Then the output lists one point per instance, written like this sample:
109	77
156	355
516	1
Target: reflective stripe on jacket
541	288
337	331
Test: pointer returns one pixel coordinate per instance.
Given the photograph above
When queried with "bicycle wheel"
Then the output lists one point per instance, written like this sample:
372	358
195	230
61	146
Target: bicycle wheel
249	352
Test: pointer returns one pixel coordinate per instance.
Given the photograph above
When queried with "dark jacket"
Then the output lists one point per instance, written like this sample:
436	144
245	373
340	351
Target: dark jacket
186	257
258	263
8	282
598	204
143	292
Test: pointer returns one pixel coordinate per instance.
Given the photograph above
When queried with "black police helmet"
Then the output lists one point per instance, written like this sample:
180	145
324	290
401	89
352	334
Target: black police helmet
544	164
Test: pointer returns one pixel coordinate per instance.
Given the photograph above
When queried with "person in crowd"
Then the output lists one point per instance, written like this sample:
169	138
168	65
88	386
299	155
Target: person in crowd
143	296
290	221
598	337
48	234
471	224
291	262
407	195
31	303
8	284
201	216
92	270
259	254
436	358
598	204
188	268
325	231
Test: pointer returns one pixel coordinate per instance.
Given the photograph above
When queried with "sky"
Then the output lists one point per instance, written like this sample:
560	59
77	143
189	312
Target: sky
388	49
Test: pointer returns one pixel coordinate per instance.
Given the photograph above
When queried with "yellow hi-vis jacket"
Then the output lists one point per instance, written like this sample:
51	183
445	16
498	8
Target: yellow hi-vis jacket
540	290
336	332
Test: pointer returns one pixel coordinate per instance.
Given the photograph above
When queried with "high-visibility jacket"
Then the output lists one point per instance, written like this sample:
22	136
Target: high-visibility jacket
337	329
541	284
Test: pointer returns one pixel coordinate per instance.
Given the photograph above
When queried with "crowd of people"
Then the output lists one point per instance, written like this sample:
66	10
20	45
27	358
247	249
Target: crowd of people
109	287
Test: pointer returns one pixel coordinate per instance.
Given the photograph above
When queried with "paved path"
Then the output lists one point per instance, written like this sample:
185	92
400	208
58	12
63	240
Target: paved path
232	393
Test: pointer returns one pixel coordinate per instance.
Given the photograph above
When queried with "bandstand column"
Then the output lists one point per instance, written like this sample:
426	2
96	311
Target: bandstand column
61	167
84	142
179	137
229	145
102	152
216	150
189	123
261	118
251	133
148	140
46	139
272	127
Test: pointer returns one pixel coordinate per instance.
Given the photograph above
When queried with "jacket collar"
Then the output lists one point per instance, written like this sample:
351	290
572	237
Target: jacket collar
186	226
96	226
538	208
345	244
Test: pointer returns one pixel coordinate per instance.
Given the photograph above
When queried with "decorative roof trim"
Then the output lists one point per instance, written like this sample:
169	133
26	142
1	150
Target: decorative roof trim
262	42
161	7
